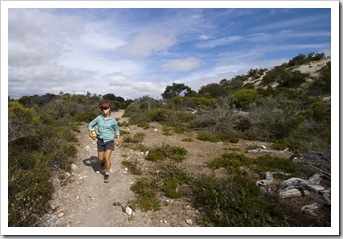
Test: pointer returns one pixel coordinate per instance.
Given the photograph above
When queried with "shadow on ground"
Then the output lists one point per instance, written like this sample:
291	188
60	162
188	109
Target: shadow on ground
94	163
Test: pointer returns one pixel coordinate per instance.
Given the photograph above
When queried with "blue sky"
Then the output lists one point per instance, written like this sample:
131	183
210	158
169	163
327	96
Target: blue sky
132	52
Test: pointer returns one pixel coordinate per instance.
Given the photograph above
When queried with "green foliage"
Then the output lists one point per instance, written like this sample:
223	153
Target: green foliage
144	125
154	156
175	153
161	115
292	78
29	191
274	164
242	98
273	75
230	137
233	202
133	167
231	160
212	90
187	140
146	194
209	137
322	84
265	92
320	111
173	178
303	59
179	129
176	90
22	122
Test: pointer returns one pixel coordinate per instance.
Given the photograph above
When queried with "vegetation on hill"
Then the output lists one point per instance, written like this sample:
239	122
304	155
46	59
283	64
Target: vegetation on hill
285	106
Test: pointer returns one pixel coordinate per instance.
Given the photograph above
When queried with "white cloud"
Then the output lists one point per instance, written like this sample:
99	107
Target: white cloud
146	43
36	36
181	65
116	79
219	42
46	78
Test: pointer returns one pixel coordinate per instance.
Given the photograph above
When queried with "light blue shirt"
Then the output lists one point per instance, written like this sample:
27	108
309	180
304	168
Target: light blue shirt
105	127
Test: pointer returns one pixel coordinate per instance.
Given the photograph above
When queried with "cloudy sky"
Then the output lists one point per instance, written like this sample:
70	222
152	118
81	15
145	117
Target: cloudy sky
132	52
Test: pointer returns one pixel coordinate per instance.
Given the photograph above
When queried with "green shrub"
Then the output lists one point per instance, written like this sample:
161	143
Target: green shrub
274	164
233	202
146	195
242	98
173	178
187	140
288	142
171	188
133	167
29	195
161	115
154	156
180	129
231	159
208	137
230	137
292	78
175	153
143	124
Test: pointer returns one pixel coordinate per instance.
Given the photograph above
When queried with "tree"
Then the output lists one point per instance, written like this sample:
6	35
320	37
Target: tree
176	90
242	98
212	90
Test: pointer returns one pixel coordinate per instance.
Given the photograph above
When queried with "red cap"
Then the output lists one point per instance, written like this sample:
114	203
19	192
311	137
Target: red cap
104	105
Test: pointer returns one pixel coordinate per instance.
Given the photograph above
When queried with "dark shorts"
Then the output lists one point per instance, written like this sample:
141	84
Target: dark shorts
102	147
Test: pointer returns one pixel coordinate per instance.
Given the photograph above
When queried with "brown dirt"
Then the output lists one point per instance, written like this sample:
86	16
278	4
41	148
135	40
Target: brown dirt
86	201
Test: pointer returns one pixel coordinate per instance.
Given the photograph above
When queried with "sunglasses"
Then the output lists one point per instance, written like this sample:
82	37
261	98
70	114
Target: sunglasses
104	108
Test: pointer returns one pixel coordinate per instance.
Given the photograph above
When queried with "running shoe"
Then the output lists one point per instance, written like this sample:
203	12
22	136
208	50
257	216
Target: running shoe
107	178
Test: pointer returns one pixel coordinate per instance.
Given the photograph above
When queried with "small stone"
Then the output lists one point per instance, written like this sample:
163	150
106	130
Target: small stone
128	211
189	221
60	215
73	166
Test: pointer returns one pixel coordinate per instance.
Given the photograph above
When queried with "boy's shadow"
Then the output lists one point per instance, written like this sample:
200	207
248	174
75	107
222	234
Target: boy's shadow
94	163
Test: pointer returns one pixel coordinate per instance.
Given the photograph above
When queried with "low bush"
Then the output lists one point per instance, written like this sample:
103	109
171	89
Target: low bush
137	138
230	137
175	153
229	160
133	167
233	202
146	194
